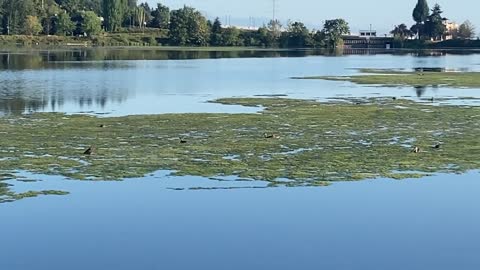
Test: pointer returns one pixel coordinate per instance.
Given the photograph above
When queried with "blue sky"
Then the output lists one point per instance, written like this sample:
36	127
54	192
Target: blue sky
382	14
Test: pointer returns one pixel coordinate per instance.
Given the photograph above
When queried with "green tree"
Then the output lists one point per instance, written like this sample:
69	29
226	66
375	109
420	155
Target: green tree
466	30
216	33
318	39
420	15
263	37
14	14
420	12
114	12
92	24
188	27
333	30
2	20
161	17
250	38
131	4
32	26
418	30
48	16
140	16
434	26
401	32
231	37
298	35
70	6
65	26
148	13
274	32
93	5
73	6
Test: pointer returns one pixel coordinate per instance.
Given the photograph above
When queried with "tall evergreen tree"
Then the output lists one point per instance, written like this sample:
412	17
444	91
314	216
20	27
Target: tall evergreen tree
421	11
216	33
114	13
15	13
434	26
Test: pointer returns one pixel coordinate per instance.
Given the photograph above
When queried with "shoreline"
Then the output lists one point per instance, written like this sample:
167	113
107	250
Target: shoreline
147	40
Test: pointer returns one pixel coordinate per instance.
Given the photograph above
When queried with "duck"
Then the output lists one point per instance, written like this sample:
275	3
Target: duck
437	146
182	140
90	151
270	136
416	150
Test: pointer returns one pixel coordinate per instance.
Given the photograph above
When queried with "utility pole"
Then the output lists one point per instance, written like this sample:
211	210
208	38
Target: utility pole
274	9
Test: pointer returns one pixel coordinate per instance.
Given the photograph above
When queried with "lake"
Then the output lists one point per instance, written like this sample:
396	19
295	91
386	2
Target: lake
147	223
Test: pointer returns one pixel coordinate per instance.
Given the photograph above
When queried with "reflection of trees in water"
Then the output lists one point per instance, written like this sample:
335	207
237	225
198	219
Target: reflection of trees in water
20	105
21	59
19	102
66	58
424	53
420	90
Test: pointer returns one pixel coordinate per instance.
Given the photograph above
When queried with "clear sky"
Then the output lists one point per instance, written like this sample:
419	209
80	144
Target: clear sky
382	14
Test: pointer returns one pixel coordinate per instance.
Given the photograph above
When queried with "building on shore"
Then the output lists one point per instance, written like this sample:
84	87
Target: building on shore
367	39
451	29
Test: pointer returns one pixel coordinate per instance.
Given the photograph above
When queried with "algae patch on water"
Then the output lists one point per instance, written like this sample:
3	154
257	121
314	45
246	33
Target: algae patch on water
307	142
7	195
419	78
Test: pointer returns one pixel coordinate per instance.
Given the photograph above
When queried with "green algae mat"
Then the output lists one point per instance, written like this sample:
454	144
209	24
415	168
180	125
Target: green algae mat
305	142
390	77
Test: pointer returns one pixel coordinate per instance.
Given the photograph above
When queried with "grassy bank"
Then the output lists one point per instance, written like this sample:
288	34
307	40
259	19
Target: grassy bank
384	77
132	41
106	39
306	142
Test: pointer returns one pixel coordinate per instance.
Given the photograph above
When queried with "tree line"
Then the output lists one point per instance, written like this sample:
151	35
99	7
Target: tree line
431	25
182	27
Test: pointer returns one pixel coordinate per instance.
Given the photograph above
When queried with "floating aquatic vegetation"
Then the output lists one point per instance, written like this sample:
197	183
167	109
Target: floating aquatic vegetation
317	143
393	77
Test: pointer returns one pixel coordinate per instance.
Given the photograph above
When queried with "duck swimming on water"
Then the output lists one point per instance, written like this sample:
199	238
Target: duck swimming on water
90	151
271	136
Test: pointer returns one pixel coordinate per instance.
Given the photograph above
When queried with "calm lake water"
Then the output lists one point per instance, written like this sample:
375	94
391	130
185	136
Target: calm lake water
431	223
99	81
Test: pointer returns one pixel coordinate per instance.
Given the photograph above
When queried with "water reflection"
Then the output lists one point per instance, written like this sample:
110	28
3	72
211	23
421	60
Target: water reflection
37	59
121	81
17	99
61	58
420	90
430	69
